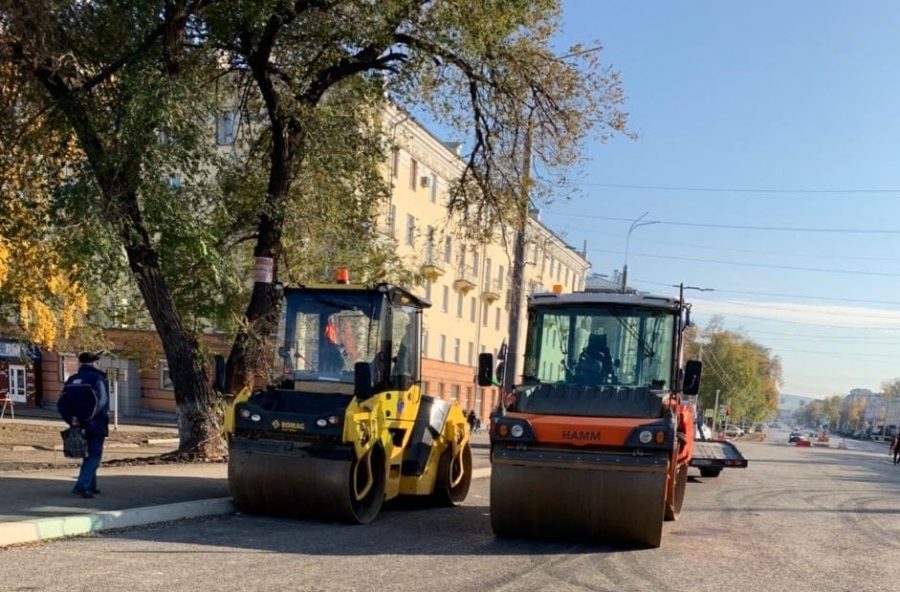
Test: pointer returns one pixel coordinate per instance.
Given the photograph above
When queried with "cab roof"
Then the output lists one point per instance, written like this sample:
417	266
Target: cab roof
589	298
396	294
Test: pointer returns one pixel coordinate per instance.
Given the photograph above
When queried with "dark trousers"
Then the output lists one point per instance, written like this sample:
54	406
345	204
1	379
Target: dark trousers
87	476
897	455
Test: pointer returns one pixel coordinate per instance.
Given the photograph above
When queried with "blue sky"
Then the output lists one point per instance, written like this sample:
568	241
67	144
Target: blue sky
794	95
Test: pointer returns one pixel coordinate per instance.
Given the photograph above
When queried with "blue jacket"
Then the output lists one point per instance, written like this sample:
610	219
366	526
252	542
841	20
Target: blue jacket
90	406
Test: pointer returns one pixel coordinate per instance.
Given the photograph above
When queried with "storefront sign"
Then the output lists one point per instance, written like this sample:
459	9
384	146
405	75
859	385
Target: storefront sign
11	349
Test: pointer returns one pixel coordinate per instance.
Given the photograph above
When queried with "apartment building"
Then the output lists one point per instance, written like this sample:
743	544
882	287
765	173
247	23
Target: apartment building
467	283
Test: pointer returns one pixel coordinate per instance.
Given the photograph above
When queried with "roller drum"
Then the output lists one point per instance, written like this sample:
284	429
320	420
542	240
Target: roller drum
594	503
298	480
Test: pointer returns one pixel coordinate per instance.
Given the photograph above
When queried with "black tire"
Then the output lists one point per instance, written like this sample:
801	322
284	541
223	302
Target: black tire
710	472
367	509
444	493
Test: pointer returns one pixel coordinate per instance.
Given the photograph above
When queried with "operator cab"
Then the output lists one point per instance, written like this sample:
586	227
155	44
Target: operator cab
599	354
326	333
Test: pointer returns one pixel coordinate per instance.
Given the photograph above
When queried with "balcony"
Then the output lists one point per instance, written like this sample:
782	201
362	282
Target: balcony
465	279
491	291
432	268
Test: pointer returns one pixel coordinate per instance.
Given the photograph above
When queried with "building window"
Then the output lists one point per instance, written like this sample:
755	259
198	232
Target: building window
473	309
426	386
552	267
456	348
18	387
445	300
471	357
428	290
413	174
484	314
459	305
441	390
68	365
165	379
425	347
475	261
225	128
434	182
454	393
487	274
497	319
429	255
392	221
395	162
500	277
443	347
410	230
566	277
448	249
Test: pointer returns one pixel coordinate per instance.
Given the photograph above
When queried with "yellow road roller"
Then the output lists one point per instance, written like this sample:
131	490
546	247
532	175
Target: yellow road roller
344	425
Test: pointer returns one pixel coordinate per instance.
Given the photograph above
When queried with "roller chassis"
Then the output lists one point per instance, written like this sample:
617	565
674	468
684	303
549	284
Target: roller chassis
315	445
595	457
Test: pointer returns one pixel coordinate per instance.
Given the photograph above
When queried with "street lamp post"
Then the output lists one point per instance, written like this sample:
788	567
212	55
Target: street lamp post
637	223
681	289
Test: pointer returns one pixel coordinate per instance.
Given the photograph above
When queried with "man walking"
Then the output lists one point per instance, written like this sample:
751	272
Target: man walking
895	448
85	404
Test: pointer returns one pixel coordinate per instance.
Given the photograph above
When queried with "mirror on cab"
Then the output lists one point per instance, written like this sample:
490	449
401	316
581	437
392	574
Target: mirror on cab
362	380
485	369
691	384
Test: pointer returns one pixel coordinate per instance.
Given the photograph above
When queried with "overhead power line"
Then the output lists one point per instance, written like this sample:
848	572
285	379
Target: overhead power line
762	265
718	248
779	190
783	294
804	323
855	315
740	226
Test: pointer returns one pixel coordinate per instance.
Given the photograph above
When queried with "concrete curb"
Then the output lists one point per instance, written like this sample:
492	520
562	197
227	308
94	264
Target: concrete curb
156	441
41	529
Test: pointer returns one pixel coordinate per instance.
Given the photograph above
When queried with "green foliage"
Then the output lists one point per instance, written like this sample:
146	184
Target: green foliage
744	372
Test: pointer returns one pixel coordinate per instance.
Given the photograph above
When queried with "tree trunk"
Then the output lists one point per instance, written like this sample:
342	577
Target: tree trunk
247	359
198	431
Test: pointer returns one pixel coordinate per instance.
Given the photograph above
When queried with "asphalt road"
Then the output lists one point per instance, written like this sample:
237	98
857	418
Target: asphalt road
798	519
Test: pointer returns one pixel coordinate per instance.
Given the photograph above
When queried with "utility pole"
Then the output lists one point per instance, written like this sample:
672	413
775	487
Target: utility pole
716	414
518	276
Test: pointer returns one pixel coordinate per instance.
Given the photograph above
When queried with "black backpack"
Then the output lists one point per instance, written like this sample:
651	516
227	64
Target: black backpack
78	399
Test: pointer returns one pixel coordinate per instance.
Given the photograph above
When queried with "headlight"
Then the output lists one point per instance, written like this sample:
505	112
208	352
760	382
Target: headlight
516	431
255	417
245	413
645	437
321	422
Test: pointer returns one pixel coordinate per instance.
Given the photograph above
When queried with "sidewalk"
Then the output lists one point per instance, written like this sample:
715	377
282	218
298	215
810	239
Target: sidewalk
39	505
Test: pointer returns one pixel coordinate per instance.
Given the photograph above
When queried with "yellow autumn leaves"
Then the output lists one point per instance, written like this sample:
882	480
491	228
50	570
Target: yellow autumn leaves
50	302
38	292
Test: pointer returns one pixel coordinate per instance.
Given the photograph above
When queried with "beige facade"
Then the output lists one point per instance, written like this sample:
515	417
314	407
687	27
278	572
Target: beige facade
468	284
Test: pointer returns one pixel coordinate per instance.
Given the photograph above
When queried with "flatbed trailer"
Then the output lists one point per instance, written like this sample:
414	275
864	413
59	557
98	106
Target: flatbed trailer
711	456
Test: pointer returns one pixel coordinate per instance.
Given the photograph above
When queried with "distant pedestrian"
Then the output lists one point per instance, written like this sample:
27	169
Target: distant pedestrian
895	448
472	420
84	403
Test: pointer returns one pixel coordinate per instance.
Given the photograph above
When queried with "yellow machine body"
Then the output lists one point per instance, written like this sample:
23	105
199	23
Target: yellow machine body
327	446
